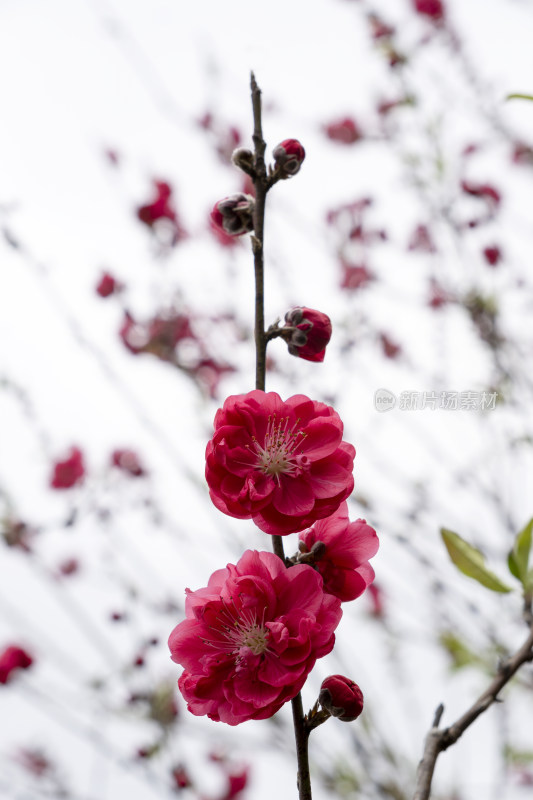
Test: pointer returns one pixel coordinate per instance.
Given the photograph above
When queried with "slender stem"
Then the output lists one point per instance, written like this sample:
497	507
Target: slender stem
262	185
261	188
302	753
439	740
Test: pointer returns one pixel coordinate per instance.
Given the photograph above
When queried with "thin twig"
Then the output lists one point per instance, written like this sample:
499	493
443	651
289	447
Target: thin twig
439	740
262	185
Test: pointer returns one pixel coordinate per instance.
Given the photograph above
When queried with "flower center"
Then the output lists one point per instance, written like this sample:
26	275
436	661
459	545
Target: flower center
241	632
279	453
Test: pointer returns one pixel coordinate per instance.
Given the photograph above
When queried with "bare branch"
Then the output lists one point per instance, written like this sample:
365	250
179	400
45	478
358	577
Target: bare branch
439	740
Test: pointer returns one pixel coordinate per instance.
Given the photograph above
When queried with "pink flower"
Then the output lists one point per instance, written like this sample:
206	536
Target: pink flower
181	778
128	461
430	8
162	208
341	697
355	276
108	285
237	780
343	562
379	28
251	637
11	659
438	295
422	240
345	131
311	332
288	157
522	154
493	255
375	594
234	214
69	472
390	348
281	463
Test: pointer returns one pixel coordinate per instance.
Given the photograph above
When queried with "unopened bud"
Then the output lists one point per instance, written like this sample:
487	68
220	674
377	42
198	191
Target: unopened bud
341	697
309	333
234	214
243	158
288	157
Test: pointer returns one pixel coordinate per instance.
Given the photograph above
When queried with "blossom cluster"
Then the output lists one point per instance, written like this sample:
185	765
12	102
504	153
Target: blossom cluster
252	635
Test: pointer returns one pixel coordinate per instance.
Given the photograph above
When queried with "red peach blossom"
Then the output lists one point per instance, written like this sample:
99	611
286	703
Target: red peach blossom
345	131
389	347
522	154
430	8
251	637
181	778
13	658
128	461
108	285
162	208
375	593
355	276
311	332
493	255
379	28
69	472
343	563
341	697
421	240
438	296
281	463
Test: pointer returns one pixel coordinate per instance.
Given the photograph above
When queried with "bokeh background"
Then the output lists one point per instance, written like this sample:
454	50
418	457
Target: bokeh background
125	321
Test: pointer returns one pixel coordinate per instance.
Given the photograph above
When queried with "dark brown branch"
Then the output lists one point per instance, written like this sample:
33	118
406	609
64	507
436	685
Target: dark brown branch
262	185
439	740
302	752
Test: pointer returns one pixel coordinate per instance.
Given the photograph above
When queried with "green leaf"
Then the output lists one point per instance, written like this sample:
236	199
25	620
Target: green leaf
519	96
518	559
461	655
471	562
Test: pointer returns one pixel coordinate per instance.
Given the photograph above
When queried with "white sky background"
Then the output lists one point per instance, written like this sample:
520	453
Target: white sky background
81	77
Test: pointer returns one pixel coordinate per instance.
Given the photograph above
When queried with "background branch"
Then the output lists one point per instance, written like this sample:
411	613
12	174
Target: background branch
439	740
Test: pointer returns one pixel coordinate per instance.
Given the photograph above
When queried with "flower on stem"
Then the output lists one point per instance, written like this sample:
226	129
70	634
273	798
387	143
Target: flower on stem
343	561
251	637
308	333
234	214
281	463
288	157
69	472
341	697
13	658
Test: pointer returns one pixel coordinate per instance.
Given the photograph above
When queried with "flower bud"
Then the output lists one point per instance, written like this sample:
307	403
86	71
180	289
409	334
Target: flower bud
288	157
243	158
234	214
341	697
308	333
